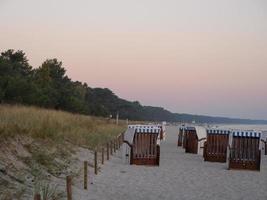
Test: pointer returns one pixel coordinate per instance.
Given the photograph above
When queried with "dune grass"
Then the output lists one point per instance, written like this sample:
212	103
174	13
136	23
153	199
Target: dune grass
57	126
50	139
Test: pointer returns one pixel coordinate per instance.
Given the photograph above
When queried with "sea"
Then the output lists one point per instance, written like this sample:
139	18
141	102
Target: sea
246	127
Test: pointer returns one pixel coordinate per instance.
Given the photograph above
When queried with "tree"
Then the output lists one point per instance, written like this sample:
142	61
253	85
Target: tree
18	61
50	78
15	77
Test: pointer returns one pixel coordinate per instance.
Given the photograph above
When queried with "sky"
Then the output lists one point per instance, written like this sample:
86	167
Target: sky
188	56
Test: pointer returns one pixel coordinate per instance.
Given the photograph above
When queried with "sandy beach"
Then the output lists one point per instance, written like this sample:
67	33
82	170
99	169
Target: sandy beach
179	176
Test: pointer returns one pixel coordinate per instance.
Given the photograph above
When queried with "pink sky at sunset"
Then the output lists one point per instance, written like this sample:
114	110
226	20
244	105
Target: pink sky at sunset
197	57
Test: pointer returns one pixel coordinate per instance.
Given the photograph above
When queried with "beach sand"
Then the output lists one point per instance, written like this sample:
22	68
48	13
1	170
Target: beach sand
179	176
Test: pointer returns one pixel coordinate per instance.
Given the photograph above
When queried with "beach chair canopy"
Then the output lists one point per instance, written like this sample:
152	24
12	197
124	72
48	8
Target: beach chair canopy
241	133
135	129
218	131
201	132
190	128
129	135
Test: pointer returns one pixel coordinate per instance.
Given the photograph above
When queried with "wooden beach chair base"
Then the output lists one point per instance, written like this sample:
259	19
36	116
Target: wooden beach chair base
246	164
149	160
215	158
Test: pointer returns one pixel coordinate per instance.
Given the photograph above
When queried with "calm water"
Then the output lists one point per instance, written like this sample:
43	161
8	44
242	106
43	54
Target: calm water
245	127
257	127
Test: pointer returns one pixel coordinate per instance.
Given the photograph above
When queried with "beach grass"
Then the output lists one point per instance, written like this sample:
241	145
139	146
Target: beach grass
57	126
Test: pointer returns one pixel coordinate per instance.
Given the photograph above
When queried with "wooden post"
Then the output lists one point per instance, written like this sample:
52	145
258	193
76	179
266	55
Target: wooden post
266	147
103	151
205	151
69	192
107	151
158	154
111	148
122	138
37	197
95	162
114	145
131	156
85	175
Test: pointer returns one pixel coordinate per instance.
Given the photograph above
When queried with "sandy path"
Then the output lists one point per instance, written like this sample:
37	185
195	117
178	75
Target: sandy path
180	176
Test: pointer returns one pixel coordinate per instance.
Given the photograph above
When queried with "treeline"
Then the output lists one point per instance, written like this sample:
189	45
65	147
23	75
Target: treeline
48	86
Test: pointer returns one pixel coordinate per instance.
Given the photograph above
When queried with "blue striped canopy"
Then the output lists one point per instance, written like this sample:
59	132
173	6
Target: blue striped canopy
218	131
247	134
190	128
145	128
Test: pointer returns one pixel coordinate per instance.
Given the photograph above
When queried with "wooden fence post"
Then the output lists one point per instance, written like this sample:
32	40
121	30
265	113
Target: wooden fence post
69	192
158	154
111	149
122	138
107	151
103	151
119	140
85	174
95	162
37	197
114	145
266	147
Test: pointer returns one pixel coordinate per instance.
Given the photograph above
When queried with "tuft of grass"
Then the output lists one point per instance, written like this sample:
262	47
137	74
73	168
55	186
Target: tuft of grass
42	158
56	126
48	191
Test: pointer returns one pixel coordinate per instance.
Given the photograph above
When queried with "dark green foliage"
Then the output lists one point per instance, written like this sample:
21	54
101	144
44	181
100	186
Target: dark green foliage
16	84
48	86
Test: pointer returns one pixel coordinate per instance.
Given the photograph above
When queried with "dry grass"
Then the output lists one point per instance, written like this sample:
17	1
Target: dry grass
57	126
49	140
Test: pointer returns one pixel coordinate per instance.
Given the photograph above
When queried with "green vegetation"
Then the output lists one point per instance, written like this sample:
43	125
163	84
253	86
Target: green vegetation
57	126
48	86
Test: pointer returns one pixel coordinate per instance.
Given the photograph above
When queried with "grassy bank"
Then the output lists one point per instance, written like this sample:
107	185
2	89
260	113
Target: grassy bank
58	126
39	147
